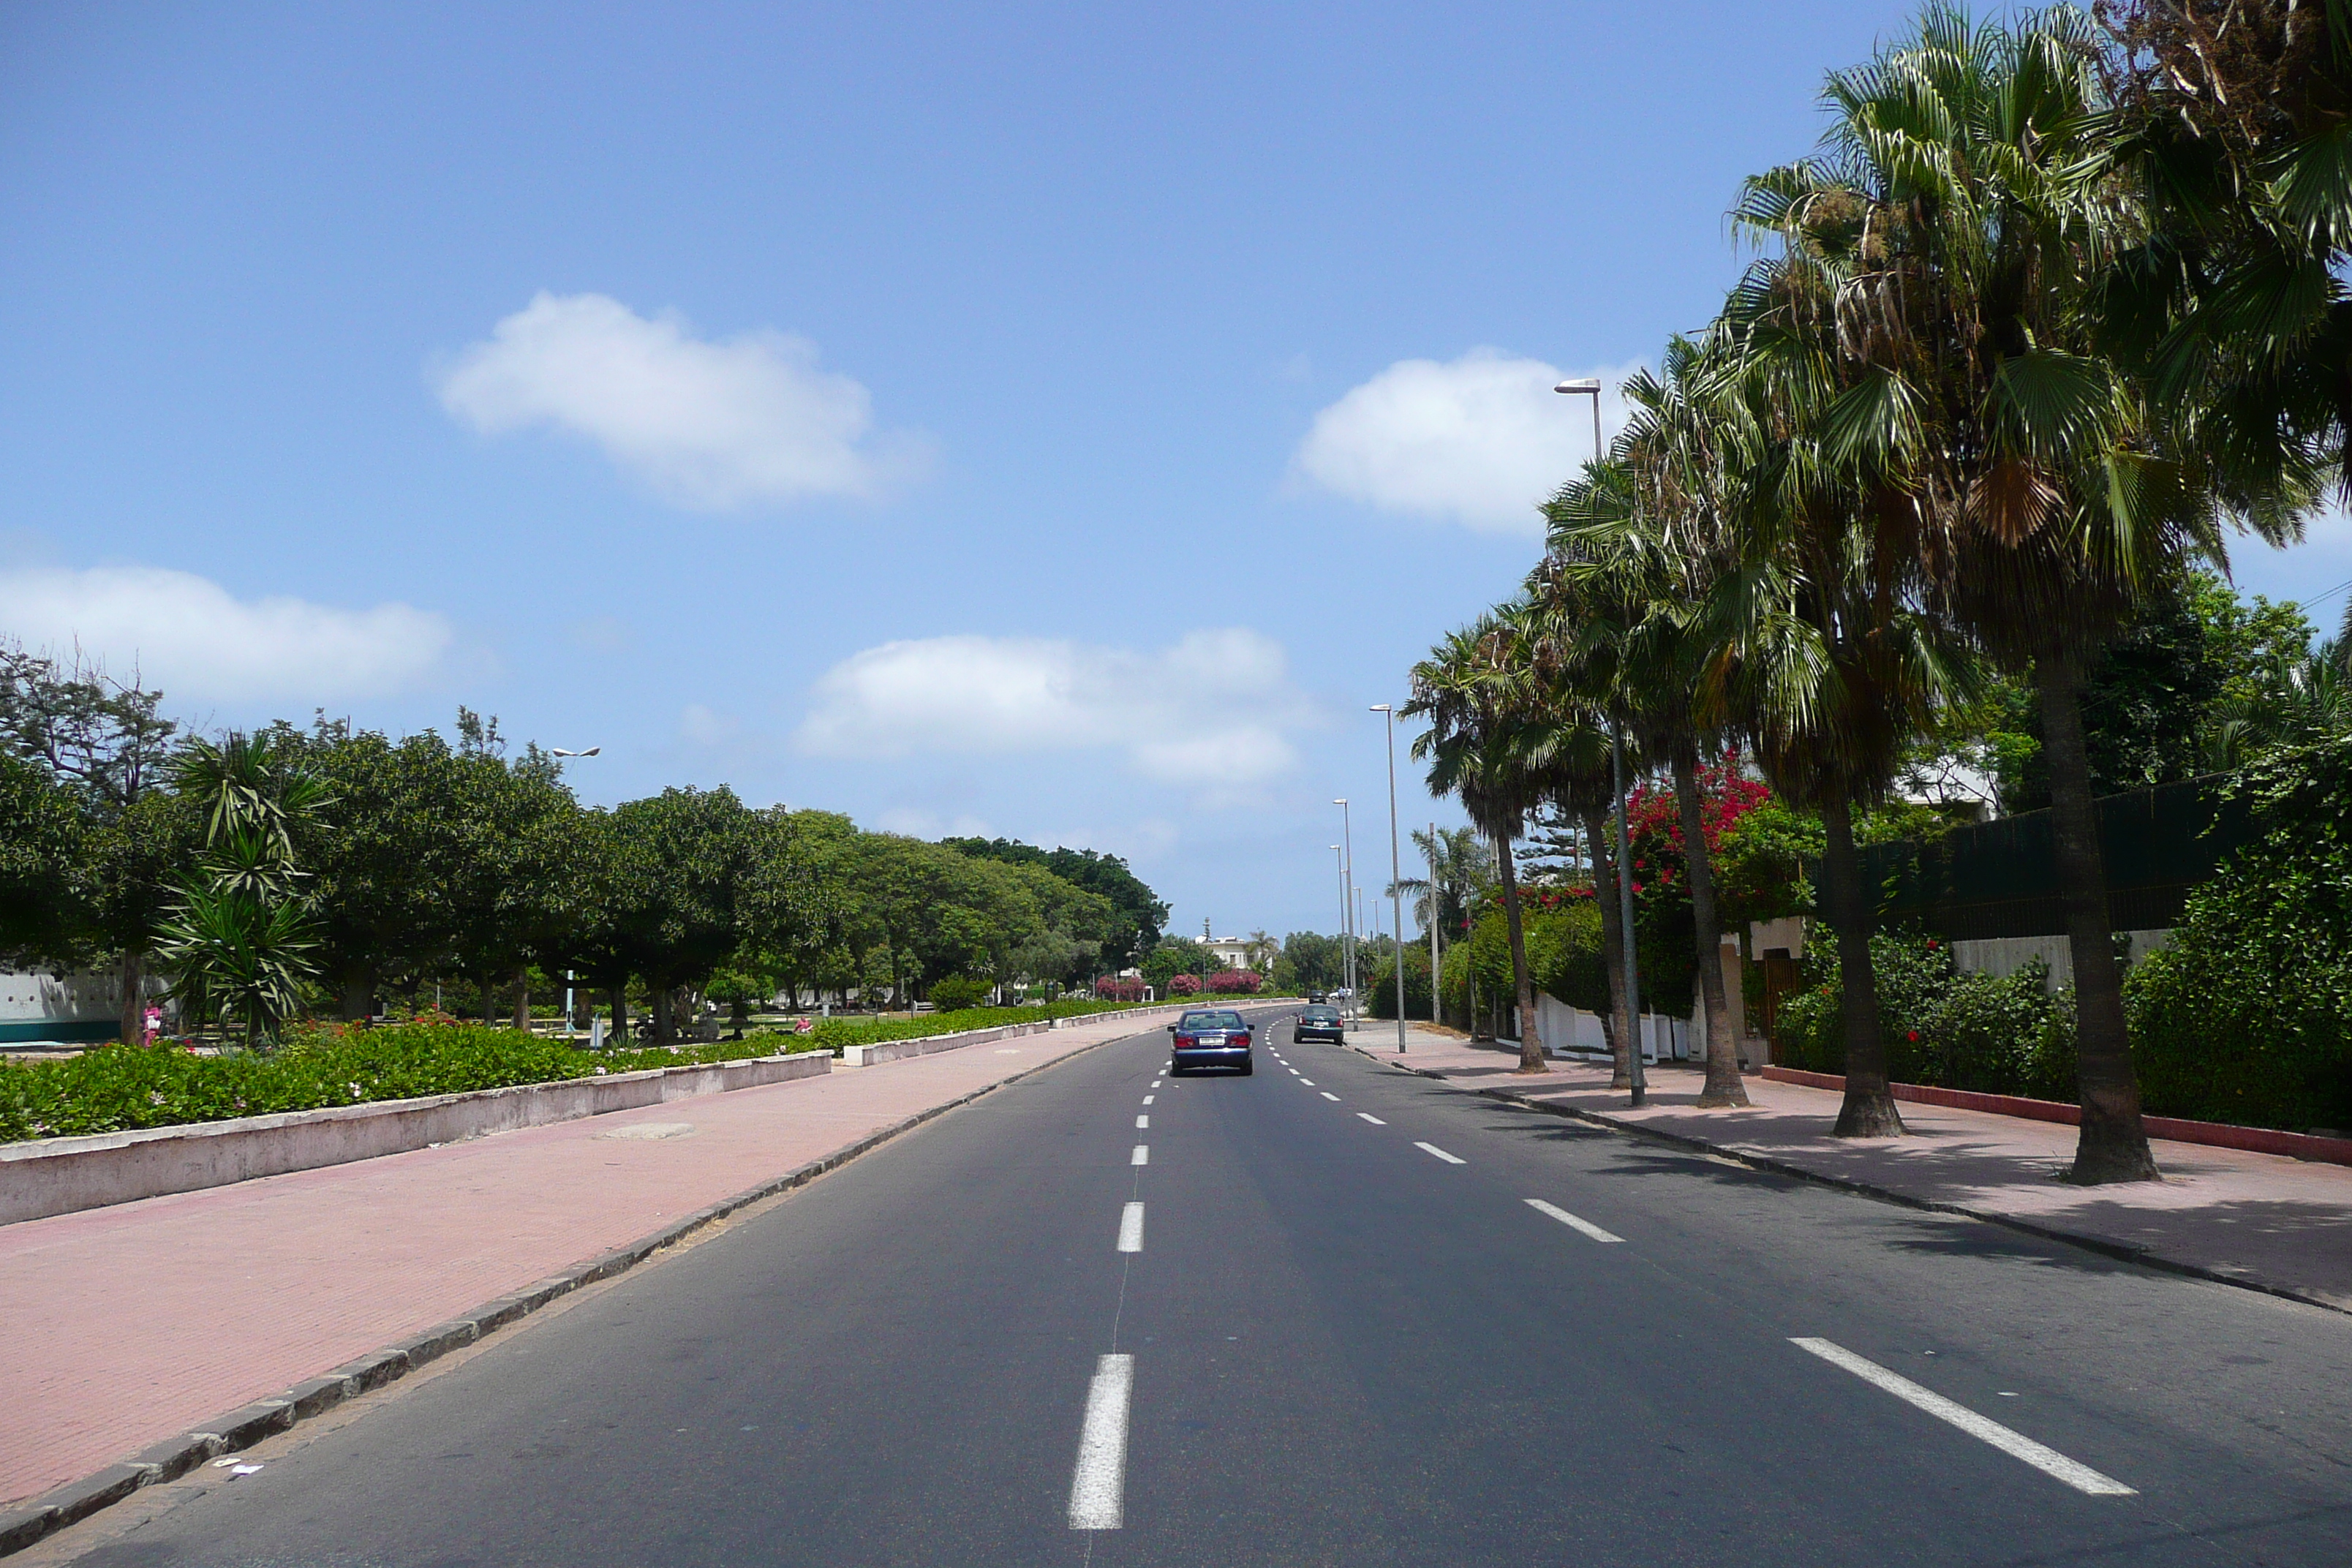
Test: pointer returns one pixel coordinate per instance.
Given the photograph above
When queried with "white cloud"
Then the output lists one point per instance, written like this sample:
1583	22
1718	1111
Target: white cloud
1209	712
707	425
187	636
1482	439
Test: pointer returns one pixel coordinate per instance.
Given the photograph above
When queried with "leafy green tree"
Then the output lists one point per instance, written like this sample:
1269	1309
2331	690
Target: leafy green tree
1175	955
41	861
105	744
1138	914
684	856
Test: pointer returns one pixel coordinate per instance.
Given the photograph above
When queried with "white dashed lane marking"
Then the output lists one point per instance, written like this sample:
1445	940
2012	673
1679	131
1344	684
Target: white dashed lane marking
1371	1118
2016	1445
1141	1122
1571	1221
1098	1486
1434	1148
1142	1155
1131	1228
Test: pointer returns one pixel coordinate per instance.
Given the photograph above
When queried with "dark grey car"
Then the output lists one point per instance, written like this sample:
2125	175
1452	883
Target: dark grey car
1318	1023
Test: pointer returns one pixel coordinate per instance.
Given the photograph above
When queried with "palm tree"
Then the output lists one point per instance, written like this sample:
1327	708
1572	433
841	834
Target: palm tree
1636	559
1474	748
1941	271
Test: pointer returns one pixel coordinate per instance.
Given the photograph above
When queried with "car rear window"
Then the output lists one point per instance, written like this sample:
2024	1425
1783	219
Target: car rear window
1212	1021
1321	1014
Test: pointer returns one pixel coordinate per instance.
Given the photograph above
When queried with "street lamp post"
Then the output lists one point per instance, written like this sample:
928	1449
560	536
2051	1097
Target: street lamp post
1348	837
1339	862
1590	386
1625	919
1396	871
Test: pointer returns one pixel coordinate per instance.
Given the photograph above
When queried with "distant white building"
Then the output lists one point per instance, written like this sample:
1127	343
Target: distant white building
1232	952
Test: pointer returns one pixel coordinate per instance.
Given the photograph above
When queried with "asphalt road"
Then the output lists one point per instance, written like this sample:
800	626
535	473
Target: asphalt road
1340	1346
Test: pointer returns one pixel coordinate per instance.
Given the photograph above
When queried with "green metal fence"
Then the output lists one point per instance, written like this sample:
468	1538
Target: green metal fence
2000	879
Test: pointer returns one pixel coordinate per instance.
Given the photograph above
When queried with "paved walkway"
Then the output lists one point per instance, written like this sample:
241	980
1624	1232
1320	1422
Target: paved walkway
2265	1219
131	1324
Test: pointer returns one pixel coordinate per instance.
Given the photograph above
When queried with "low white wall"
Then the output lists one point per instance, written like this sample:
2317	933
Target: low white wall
2008	954
62	1175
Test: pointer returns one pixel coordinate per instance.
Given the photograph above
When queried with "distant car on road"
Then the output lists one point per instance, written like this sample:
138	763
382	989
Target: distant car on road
1318	1023
1210	1037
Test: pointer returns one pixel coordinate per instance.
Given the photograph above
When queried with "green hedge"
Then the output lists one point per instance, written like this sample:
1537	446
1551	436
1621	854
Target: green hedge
2247	1013
1995	1035
118	1088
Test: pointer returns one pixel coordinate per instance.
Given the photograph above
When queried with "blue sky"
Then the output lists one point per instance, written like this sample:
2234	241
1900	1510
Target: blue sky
1055	422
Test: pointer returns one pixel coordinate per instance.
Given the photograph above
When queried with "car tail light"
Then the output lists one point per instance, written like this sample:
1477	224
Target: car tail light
1240	1039
1182	1040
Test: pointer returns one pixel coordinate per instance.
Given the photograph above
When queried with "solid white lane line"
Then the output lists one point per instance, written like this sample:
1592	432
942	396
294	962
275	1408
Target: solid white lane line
1098	1486
1131	1228
1326	1094
1150	1098
1141	1122
1434	1148
1371	1118
1142	1154
1569	1220
2016	1445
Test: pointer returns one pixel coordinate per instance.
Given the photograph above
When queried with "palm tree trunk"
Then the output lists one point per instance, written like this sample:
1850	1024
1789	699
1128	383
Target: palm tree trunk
1531	1051
1723	1086
2114	1144
133	1019
1612	940
1869	1109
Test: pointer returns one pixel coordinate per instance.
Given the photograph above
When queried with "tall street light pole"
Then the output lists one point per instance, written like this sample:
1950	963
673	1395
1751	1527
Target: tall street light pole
1348	837
1590	386
1396	872
1339	862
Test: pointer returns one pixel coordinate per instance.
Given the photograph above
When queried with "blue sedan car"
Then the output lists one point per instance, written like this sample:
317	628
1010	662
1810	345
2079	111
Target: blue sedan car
1210	1037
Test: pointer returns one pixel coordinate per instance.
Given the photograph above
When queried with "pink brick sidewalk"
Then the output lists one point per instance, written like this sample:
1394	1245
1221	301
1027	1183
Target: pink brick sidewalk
2266	1219
131	1323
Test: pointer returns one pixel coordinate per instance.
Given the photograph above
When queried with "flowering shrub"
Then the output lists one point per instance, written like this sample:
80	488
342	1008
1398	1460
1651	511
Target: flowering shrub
1234	982
1119	988
1184	986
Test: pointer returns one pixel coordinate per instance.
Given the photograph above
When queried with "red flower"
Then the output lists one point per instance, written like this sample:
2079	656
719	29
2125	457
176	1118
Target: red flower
1914	1034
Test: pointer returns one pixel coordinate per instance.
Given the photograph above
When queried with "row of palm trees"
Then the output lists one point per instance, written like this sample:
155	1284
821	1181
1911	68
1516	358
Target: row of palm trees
2038	324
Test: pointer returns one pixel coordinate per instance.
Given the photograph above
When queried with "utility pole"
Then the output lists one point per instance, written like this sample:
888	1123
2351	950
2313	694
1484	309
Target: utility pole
1625	919
1355	924
1396	871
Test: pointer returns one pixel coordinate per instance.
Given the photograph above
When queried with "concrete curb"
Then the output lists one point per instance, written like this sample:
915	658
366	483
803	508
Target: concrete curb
2120	1251
174	1457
